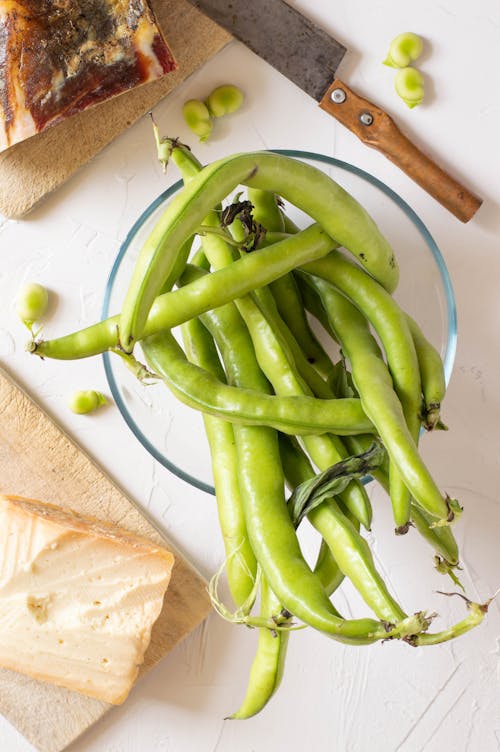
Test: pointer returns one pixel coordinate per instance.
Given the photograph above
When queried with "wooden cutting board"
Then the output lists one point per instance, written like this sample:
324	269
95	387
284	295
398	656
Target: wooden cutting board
35	167
38	460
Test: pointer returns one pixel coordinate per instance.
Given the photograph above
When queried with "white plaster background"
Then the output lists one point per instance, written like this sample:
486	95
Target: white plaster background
384	698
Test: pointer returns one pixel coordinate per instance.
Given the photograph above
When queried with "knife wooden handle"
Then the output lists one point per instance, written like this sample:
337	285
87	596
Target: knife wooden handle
377	129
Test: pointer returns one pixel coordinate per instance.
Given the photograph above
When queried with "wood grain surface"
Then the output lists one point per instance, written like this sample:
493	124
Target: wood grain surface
38	460
33	168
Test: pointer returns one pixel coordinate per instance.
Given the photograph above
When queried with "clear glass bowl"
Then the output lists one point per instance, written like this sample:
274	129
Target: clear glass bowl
174	433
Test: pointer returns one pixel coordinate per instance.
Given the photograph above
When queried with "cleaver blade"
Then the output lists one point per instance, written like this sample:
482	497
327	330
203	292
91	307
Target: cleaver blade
283	37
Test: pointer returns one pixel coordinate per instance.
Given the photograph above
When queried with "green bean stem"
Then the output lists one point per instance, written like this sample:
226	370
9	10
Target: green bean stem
325	201
182	156
266	210
477	612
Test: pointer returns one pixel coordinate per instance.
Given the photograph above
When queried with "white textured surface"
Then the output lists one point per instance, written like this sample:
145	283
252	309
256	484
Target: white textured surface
386	698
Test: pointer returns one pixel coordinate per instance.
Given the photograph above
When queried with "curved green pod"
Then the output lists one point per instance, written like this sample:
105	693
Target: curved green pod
305	186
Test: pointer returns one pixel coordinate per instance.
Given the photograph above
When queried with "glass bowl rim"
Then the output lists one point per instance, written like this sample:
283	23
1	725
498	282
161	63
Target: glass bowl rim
451	343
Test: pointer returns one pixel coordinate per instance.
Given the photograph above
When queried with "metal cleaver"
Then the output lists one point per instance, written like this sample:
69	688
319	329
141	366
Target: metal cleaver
309	57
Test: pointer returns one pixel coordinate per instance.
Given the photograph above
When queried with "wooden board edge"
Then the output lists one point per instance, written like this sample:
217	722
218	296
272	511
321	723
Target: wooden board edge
203	607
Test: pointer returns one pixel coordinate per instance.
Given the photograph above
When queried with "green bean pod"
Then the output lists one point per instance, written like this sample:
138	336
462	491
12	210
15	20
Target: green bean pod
311	377
375	386
285	291
431	376
389	322
272	350
241	566
306	349
327	569
266	671
158	254
221	255
349	549
268	523
291	309
441	539
308	187
275	543
279	367
297	468
313	304
347	317
267	492
391	325
354	558
359	443
171	309
201	390
400	500
237	351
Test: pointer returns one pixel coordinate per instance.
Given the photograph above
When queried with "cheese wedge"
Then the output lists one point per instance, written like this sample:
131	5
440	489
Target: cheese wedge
78	598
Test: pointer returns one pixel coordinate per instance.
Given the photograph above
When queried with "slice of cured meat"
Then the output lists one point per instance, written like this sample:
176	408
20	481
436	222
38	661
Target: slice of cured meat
58	57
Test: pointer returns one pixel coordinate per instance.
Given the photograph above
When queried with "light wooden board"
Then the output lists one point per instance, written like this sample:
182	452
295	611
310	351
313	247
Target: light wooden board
32	169
38	460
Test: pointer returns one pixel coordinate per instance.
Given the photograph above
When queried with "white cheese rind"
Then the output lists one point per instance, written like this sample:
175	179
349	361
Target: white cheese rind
78	598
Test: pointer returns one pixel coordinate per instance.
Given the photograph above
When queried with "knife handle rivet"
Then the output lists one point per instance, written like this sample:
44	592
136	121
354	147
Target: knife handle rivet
366	118
338	96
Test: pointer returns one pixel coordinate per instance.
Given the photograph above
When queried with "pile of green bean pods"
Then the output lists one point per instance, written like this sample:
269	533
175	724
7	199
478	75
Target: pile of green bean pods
291	430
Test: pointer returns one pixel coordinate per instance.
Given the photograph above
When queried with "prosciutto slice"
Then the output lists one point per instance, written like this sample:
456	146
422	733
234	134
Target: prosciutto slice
58	57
